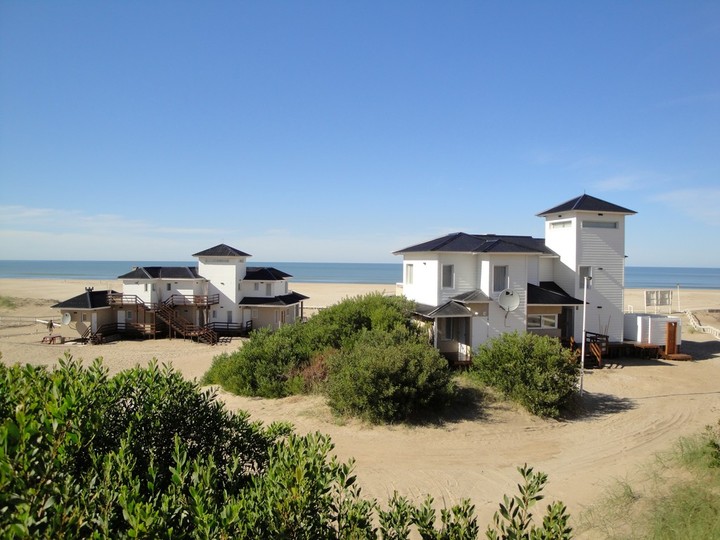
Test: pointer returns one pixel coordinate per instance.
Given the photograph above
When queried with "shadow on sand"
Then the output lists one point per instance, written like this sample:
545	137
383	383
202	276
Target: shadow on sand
595	405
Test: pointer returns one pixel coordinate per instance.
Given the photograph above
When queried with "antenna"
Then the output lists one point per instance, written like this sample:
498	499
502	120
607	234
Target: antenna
509	300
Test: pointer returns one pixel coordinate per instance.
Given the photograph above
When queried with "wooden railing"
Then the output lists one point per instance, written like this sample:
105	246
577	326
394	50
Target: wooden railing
596	346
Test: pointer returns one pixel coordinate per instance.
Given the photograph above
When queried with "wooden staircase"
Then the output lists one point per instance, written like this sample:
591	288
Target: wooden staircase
166	313
186	329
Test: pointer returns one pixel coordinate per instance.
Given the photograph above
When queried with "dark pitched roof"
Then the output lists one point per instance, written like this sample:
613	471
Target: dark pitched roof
550	293
587	203
221	250
265	273
471	296
162	272
481	243
283	300
448	309
86	300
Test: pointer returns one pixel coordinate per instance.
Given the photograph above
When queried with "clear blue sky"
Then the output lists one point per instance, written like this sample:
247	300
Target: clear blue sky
342	131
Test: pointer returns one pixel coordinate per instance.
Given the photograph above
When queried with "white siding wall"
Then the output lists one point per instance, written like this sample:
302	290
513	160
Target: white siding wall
499	320
426	278
564	242
465	270
224	275
603	250
137	288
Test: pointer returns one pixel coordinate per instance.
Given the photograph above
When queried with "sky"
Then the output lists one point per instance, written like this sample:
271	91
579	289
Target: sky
326	131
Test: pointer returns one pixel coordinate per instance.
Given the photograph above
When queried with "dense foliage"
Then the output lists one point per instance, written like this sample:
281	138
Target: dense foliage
388	376
373	357
148	455
535	371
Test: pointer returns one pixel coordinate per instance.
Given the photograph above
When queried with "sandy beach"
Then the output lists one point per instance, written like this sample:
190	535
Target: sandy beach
635	408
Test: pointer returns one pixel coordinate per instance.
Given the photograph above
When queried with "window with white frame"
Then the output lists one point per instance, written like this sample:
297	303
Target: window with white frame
408	274
542	321
584	272
168	287
560	224
500	278
448	276
257	286
268	289
128	315
599	224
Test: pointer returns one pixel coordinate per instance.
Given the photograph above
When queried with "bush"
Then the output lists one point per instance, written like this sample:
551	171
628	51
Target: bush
78	447
388	377
275	364
79	458
262	366
535	371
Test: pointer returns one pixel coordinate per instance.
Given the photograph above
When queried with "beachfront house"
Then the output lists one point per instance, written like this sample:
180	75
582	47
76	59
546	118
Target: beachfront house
221	296
473	287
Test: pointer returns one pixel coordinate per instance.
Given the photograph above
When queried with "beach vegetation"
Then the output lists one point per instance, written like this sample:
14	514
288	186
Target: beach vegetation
677	496
535	371
7	302
388	376
146	454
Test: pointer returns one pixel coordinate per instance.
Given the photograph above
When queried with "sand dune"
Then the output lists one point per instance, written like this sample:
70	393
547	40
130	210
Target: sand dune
634	408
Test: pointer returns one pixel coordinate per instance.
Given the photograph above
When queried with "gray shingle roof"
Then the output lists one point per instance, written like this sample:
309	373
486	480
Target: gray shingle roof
283	300
550	293
162	272
221	250
481	243
86	300
587	203
266	273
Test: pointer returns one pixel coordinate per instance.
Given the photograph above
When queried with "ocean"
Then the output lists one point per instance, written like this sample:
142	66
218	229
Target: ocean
636	277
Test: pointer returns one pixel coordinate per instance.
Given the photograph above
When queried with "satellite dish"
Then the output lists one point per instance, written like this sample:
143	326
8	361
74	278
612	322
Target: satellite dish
509	300
66	318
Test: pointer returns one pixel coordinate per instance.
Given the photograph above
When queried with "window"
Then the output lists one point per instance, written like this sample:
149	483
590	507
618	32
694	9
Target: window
448	276
128	315
584	272
214	314
268	289
600	224
146	287
84	317
168	287
542	321
257	286
409	274
500	278
560	224
239	285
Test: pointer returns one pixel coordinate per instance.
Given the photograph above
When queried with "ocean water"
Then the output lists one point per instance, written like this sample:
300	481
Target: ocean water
380	273
636	277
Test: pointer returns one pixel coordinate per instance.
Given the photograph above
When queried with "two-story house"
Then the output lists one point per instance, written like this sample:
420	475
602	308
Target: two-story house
473	287
222	295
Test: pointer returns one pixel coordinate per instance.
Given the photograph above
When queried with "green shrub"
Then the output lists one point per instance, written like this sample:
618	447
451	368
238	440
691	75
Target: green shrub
262	366
276	364
388	377
79	458
535	371
75	445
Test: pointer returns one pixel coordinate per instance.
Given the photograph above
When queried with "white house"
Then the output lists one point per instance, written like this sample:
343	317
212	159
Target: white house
474	287
221	296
